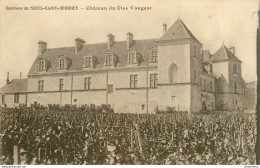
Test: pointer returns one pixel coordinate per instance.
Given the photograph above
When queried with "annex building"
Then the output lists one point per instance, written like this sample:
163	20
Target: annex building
134	76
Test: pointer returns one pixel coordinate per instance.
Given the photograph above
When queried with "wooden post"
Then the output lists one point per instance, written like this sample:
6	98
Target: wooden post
139	140
257	147
17	159
132	139
40	154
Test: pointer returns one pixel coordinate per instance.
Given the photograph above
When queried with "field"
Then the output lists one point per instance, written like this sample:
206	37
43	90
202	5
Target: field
90	136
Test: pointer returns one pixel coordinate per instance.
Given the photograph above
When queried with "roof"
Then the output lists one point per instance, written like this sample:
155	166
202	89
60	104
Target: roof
178	31
223	54
15	86
98	50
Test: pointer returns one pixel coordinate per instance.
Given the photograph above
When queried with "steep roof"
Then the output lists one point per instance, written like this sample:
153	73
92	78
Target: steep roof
223	54
178	31
98	50
15	86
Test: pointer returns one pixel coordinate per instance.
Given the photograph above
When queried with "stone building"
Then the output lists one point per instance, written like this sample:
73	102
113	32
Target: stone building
135	76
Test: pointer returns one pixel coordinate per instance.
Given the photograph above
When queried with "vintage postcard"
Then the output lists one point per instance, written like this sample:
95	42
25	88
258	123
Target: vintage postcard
128	82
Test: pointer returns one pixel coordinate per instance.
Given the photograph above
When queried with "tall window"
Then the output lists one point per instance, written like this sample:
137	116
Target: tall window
41	85
61	85
154	56
133	81
235	87
3	99
62	64
88	62
132	58
234	68
41	65
153	80
204	87
195	76
195	51
87	83
173	73
109	59
211	86
16	98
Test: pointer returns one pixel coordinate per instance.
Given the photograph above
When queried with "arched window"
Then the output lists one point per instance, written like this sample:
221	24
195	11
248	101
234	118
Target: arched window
173	73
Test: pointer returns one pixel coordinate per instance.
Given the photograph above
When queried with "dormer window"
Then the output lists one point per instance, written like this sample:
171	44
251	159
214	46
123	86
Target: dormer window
109	59
88	61
42	65
132	58
62	63
154	56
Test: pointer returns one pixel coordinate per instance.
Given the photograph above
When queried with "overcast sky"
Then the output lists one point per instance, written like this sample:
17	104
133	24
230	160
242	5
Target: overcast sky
213	22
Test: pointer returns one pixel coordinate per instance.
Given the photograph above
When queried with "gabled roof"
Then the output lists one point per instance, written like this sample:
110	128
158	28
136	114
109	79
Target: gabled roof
223	54
97	50
15	86
178	31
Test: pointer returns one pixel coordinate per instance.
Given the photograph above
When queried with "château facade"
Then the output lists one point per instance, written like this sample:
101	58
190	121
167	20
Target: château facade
134	76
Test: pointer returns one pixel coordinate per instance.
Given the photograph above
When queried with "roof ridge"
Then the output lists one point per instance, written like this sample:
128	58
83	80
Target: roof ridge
102	43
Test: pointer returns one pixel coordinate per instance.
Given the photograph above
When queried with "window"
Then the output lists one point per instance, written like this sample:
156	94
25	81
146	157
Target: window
234	68
143	106
132	58
62	64
204	87
210	68
153	80
133	81
88	62
212	104
173	98
3	99
244	92
211	86
61	85
40	85
87	83
109	59
110	88
173	73
154	56
16	98
235	87
42	65
195	51
195	76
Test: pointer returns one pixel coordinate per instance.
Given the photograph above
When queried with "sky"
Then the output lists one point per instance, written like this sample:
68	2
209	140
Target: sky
213	22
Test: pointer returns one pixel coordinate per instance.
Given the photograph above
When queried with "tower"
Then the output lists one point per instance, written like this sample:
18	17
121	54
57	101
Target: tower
179	67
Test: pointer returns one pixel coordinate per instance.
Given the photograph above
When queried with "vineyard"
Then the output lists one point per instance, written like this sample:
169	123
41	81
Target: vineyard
98	136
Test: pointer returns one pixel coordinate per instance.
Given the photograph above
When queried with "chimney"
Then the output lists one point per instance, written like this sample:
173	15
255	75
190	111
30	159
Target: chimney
164	27
79	43
42	47
110	40
7	80
233	50
129	40
20	75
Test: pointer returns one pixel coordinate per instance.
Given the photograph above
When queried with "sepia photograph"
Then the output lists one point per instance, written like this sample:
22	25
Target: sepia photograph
129	82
